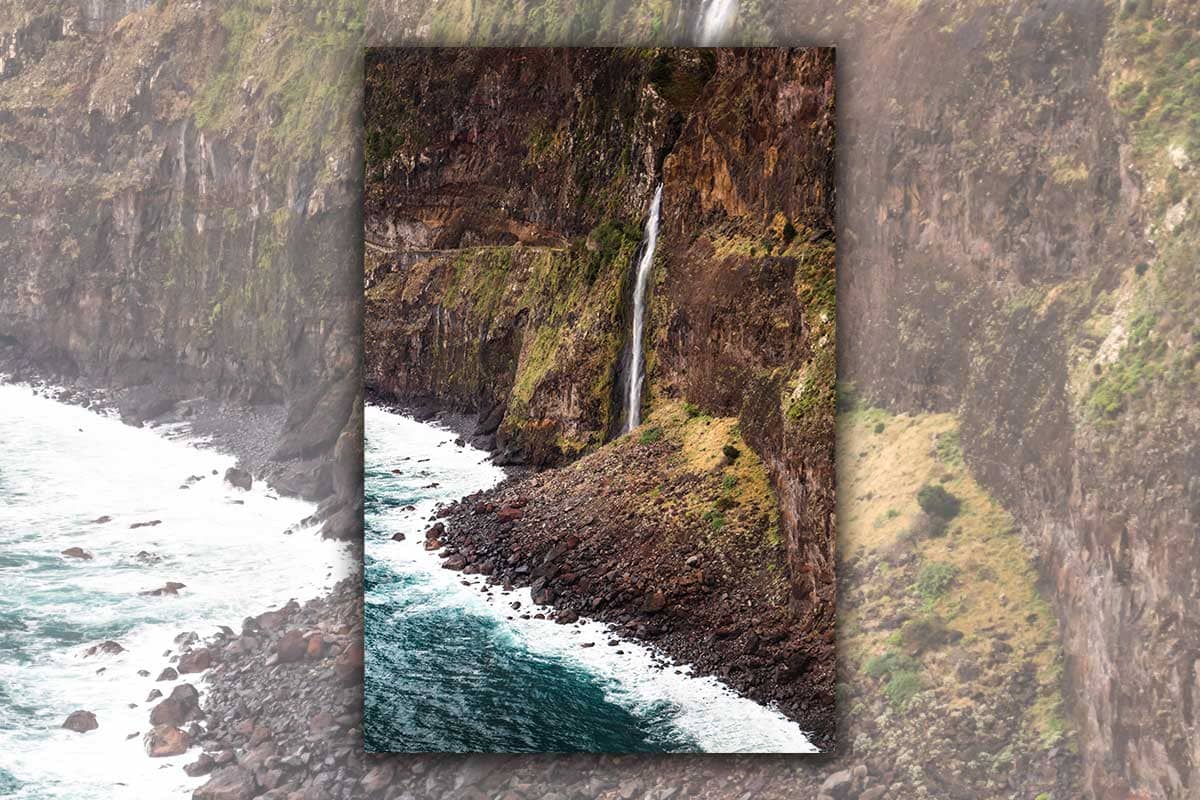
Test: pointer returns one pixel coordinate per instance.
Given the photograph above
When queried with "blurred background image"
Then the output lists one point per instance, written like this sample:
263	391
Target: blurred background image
1016	228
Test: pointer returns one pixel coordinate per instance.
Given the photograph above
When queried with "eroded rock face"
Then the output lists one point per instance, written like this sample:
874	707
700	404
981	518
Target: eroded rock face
174	247
743	218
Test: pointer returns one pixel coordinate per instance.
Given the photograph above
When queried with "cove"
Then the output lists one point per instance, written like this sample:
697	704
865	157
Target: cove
455	668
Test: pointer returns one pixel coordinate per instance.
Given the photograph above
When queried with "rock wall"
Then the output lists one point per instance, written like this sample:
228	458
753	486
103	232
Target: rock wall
179	219
520	180
1015	201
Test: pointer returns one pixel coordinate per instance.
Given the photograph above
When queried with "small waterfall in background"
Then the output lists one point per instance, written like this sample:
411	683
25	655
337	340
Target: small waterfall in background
716	18
633	377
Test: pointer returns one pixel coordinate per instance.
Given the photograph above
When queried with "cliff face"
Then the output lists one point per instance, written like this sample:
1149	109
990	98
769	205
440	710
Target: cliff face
505	215
1016	201
178	220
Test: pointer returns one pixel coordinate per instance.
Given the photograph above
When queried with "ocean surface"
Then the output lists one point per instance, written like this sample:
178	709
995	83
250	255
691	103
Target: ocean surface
450	668
61	468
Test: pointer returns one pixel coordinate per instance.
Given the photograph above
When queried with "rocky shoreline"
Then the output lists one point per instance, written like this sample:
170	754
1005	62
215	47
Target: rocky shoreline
573	538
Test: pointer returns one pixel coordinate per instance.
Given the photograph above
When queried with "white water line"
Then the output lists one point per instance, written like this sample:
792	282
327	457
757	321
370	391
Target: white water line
716	19
633	378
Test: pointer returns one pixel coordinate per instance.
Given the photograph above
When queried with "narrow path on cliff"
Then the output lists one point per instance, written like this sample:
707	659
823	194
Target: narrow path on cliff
451	665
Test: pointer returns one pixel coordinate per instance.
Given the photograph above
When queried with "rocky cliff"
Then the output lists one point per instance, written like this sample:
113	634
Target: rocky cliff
178	213
504	202
1016	200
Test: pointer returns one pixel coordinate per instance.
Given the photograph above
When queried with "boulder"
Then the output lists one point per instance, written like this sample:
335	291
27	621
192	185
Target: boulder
77	552
166	740
169	588
201	766
154	523
106	648
81	722
195	661
349	666
654	602
291	647
837	784
181	706
398	537
239	478
509	514
229	783
168	674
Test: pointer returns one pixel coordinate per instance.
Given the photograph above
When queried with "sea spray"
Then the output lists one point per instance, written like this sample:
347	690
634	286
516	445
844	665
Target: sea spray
634	375
63	468
440	645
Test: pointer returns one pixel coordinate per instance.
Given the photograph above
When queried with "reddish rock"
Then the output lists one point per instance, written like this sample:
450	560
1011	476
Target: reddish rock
349	666
195	661
229	783
316	646
509	514
166	740
291	647
398	537
181	706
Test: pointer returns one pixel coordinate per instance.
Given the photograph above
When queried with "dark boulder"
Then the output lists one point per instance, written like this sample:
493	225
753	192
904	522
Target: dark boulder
81	722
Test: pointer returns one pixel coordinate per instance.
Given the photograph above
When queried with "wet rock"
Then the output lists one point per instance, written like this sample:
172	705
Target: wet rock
106	648
151	524
168	674
239	478
101	520
81	722
166	740
168	589
77	553
183	705
196	661
398	537
201	766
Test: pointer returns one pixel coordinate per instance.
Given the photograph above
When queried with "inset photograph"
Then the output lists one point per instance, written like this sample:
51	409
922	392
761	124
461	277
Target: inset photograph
600	363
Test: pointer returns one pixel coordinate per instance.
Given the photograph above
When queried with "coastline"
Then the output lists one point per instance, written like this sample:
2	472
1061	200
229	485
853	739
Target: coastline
678	710
216	532
575	576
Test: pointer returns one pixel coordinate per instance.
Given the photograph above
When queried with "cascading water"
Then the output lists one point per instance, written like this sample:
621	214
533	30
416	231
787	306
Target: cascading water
633	377
716	17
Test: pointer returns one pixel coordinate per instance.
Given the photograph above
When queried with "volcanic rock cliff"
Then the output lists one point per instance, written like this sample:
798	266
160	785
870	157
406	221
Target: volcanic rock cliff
1016	202
504	224
176	222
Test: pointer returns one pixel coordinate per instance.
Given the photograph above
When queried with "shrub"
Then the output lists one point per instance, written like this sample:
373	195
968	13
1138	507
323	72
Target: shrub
902	687
879	427
650	435
936	501
927	526
890	662
729	483
924	633
935	580
691	409
731	452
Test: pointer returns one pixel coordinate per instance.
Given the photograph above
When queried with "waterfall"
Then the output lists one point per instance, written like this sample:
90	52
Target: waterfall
716	18
633	376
